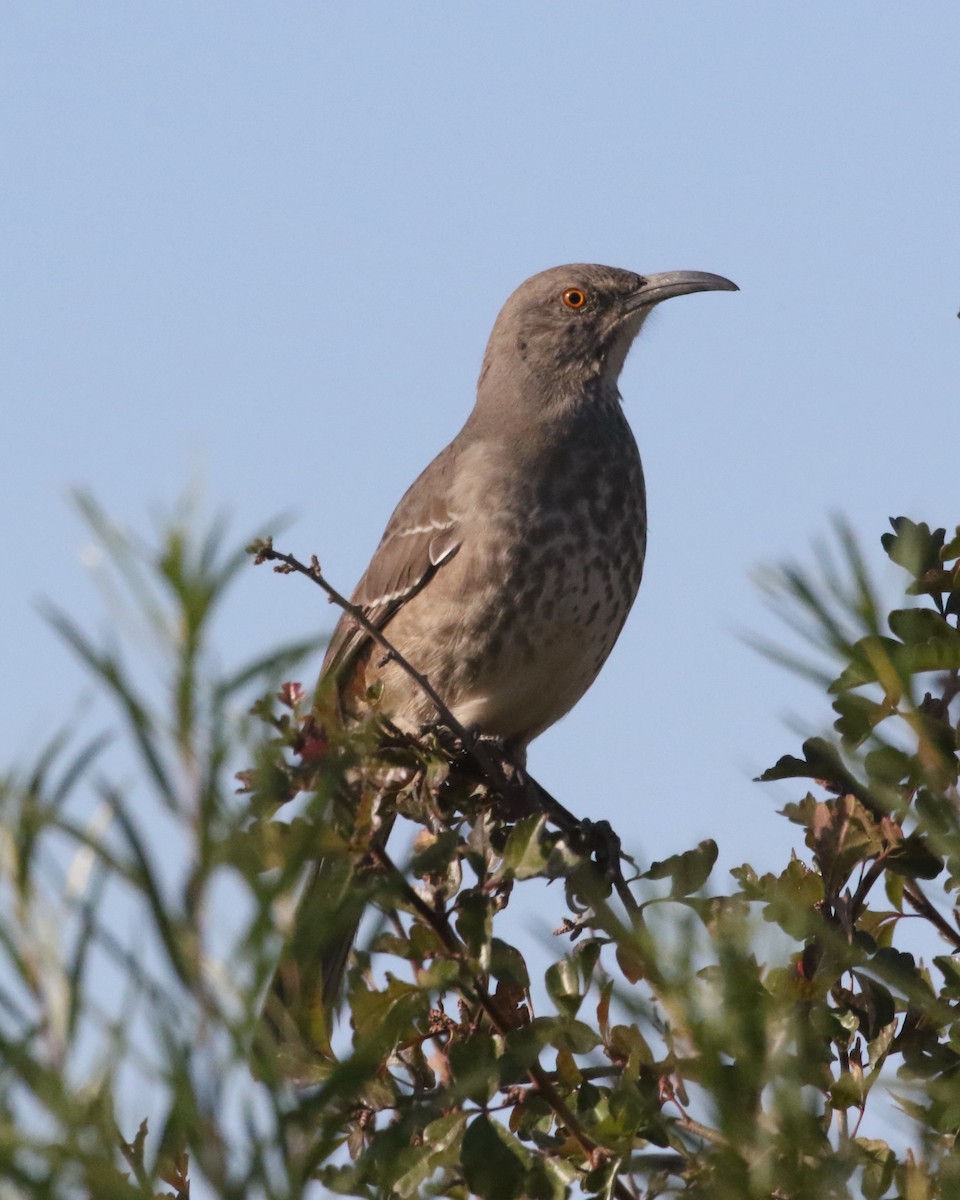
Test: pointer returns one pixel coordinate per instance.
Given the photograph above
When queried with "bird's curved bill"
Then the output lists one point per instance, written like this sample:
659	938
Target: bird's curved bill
677	283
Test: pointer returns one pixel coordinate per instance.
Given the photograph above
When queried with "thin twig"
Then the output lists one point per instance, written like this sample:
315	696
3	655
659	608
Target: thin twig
918	901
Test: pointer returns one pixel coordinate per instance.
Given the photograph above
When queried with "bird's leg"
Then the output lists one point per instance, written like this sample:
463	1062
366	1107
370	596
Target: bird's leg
449	741
521	792
495	762
599	839
523	796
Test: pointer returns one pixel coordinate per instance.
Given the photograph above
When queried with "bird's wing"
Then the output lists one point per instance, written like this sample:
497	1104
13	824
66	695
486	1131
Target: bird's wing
423	534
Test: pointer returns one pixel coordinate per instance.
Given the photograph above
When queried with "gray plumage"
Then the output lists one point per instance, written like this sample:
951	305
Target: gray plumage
509	567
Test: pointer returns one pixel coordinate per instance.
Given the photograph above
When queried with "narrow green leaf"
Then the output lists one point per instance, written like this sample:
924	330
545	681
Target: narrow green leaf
109	670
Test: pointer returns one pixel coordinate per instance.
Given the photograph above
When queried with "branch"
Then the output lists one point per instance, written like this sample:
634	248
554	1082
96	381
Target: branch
918	901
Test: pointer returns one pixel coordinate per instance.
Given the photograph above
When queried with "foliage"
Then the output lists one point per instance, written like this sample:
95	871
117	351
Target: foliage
683	1037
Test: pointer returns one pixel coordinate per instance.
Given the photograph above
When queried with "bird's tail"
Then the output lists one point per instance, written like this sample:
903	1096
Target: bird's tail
304	994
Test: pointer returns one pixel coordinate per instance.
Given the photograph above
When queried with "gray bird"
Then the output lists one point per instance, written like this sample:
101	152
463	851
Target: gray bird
509	567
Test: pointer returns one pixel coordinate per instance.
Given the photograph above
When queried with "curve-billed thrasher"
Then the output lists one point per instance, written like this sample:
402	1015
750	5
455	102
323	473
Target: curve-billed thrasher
507	570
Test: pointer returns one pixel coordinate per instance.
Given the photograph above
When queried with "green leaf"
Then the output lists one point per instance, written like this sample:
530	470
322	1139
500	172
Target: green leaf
874	1006
889	765
871	658
474	1066
879	1047
522	1047
628	1046
381	1017
858	716
914	859
951	550
914	547
791	899
435	854
527	851
495	1163
688	871
821	761
440	1140
267	666
532	1114
602	1180
879	1163
931	645
140	721
914	626
551	1179
949	967
938	814
847	1092
474	923
507	964
563	985
575	1036
442	974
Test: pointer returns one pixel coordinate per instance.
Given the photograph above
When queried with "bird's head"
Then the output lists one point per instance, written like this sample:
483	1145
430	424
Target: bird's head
576	323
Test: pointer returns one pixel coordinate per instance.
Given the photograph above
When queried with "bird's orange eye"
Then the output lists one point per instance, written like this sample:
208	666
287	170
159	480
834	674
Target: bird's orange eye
574	298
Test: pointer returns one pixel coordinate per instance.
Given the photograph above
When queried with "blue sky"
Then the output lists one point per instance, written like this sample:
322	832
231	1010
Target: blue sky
262	246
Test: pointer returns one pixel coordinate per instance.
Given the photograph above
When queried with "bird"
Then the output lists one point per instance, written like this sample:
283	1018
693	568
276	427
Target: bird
508	568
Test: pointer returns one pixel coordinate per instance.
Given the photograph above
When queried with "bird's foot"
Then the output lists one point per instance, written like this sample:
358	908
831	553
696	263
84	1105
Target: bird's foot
501	766
600	840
